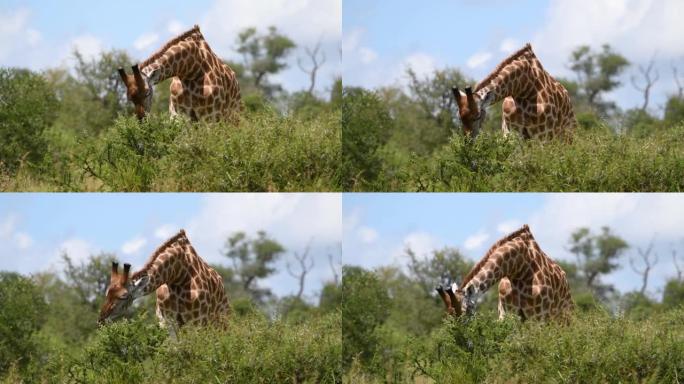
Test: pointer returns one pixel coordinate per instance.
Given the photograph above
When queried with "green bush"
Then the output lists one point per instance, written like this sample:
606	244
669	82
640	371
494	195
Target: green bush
250	350
594	348
266	152
673	294
366	125
22	314
118	353
594	161
364	308
27	107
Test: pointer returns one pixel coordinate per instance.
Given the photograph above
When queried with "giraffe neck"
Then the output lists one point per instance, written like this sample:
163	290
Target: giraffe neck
510	258
167	265
180	58
517	76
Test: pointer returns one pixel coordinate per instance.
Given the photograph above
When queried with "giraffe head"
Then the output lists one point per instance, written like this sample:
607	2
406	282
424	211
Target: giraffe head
120	293
471	109
453	299
139	90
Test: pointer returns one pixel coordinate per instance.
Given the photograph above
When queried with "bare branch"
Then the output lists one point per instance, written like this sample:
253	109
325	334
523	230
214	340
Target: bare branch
336	276
676	265
680	88
304	267
316	61
645	256
649	80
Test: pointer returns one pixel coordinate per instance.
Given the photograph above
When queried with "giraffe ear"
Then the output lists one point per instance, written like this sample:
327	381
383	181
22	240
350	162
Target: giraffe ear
126	271
138	77
123	75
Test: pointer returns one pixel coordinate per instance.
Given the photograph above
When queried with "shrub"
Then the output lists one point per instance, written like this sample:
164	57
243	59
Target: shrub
594	161
27	107
366	125
22	314
266	152
364	308
251	349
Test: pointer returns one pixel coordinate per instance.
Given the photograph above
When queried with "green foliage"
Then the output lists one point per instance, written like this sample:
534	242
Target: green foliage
116	352
251	259
597	256
595	347
267	152
250	350
597	73
674	110
363	310
594	161
21	315
331	297
639	123
263	55
366	126
424	117
673	294
27	107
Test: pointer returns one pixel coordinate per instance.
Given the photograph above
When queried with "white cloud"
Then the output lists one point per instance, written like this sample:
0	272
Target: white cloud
8	232
421	63
305	21
23	240
636	28
421	243
134	245
367	55
367	235
508	226
634	217
145	41
87	45
175	27
478	59
508	45
296	217
352	40
475	241
77	249
7	226
15	33
165	231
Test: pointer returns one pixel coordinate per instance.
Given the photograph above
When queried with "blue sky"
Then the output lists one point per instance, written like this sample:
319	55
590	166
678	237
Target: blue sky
378	227
37	228
39	34
382	38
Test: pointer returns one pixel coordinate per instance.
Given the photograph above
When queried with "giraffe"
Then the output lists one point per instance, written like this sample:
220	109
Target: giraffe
534	103
531	285
188	290
203	87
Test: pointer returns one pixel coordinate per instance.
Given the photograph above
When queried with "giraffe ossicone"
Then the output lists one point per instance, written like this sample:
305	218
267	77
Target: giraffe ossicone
534	103
531	284
188	290
202	86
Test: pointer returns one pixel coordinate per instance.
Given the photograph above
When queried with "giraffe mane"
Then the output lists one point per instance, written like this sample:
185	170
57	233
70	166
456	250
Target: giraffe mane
170	43
158	251
505	62
524	229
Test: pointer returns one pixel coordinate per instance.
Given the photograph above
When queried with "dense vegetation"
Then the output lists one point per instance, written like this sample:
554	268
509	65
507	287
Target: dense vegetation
72	130
394	328
49	334
408	139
